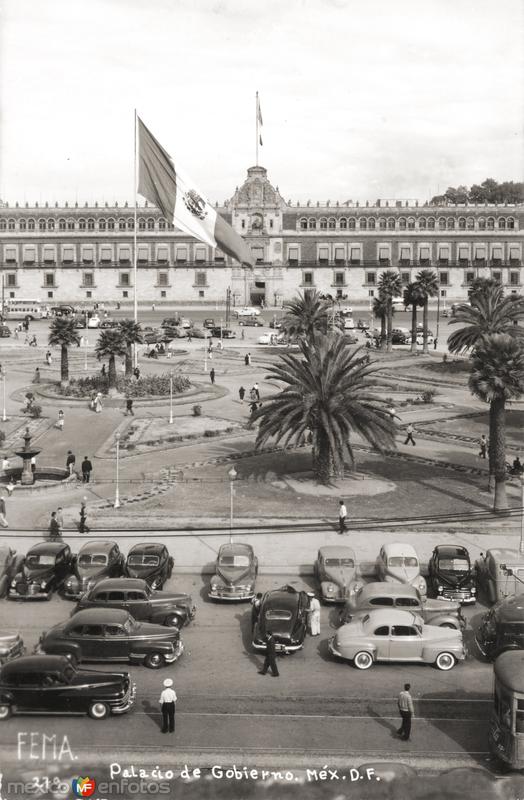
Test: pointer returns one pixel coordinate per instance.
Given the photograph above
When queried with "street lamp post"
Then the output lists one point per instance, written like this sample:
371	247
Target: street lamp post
117	488
171	397
232	475
86	342
4	415
521	545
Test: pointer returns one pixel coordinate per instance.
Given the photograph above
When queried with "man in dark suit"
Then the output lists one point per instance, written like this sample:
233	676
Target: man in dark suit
270	661
87	468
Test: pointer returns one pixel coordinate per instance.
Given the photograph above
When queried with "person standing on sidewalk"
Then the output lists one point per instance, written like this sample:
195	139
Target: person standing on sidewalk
82	525
342	514
270	661
3	513
54	530
70	462
129	407
87	469
212	375
60	519
407	712
483	445
167	702
314	614
409	435
241	394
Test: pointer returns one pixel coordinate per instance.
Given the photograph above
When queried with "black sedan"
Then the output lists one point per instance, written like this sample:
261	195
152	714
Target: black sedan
252	322
224	333
96	560
52	684
44	570
283	612
150	561
451	574
110	634
10	564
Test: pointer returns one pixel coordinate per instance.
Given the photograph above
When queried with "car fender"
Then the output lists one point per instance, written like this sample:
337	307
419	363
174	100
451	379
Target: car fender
443	619
325	594
350	651
58	649
160	614
4	585
7	698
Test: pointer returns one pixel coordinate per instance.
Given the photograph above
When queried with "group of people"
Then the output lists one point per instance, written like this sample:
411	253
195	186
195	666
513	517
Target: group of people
95	404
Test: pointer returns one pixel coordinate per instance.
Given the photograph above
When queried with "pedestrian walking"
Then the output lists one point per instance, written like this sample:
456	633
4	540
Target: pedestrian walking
241	394
405	707
212	375
243	334
253	407
36	377
87	469
129	407
167	703
10	487
342	514
247	359
483	444
60	421
314	614
270	661
189	337
54	530
82	525
152	307
60	519
70	461
3	513
103	370
98	403
136	372
392	412
256	602
409	435
256	391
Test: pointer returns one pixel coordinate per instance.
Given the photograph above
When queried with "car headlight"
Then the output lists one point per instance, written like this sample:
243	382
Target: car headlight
156	583
330	588
473	590
13	583
213	588
43	585
440	588
422	585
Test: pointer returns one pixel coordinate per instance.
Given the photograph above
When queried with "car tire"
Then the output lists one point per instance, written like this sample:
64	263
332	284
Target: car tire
363	660
5	711
173	621
154	661
445	661
98	710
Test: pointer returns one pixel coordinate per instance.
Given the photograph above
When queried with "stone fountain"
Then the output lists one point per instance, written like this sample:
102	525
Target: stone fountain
27	477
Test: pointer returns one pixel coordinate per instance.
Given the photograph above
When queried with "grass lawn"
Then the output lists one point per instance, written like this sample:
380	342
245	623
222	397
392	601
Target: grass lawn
478	424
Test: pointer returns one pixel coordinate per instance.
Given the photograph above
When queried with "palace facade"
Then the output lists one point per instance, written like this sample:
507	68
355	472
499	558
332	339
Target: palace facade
71	253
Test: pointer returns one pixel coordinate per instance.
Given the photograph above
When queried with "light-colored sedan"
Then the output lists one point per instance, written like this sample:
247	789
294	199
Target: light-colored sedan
271	338
398	562
401	636
247	311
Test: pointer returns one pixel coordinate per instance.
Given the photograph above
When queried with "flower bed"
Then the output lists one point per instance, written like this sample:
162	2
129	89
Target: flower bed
147	386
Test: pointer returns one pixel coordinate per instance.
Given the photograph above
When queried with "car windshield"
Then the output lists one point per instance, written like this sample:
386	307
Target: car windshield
234	561
40	560
92	560
339	562
454	564
143	561
402	561
278	613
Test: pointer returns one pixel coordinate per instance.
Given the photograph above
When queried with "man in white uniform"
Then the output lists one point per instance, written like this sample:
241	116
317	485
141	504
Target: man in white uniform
314	614
167	702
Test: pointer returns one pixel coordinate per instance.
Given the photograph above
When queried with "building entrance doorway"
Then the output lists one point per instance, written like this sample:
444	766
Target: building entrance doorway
257	293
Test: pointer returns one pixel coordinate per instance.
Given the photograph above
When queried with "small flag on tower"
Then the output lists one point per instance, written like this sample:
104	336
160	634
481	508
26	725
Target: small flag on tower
259	112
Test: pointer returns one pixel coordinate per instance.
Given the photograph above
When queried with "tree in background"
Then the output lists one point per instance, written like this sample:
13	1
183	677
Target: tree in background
389	286
131	334
489	191
428	283
63	334
111	344
415	297
380	311
489	313
306	315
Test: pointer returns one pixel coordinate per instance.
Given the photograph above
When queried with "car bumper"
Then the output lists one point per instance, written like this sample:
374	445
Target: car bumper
332	649
172	657
126	703
279	647
460	595
31	592
231	593
14	653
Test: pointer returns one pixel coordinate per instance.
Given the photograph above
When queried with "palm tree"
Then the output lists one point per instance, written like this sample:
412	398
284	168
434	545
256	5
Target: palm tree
428	281
328	391
306	315
389	286
490	312
414	297
497	377
131	334
481	285
111	344
62	333
380	311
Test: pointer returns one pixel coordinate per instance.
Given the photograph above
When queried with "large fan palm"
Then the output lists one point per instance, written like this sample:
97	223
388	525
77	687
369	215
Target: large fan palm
428	282
482	286
389	286
380	310
306	315
111	344
497	376
132	334
328	391
415	297
62	333
489	313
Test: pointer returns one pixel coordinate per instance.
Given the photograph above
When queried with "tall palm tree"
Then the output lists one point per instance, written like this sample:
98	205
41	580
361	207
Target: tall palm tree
328	391
497	377
111	344
414	296
428	282
380	311
482	285
490	312
306	315
62	333
389	286
131	334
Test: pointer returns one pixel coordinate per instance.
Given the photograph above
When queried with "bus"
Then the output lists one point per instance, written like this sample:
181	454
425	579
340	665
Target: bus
506	732
20	308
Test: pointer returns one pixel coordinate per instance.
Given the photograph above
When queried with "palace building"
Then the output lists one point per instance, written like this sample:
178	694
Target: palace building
78	253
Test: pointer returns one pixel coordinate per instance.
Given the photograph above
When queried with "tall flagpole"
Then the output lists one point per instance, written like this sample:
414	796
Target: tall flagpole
135	254
256	127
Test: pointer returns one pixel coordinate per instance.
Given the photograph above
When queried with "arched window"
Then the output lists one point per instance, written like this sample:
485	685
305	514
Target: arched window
50	224
382	223
11	224
141	224
431	223
150	224
422	223
323	223
130	223
482	224
61	224
70	224
3	225
491	223
23	225
511	223
391	223
110	224
121	224
81	224
343	223
30	224
462	223
363	223
371	223
502	223
352	223
161	224
102	225
90	224
470	223
450	224
411	223
442	223
402	223
312	224
332	224
41	225
303	224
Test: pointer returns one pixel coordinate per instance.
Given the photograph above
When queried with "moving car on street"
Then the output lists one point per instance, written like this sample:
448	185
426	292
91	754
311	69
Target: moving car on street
500	573
224	333
11	646
336	571
370	596
398	562
502	627
251	322
208	323
395	635
52	684
95	560
451	574
199	333
44	571
111	634
151	562
283	612
247	311
174	609
236	571
10	565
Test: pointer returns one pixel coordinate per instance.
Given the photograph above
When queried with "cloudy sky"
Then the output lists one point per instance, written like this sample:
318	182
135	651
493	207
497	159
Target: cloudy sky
360	99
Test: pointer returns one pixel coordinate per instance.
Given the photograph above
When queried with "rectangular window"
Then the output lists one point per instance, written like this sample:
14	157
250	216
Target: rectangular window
10	255
443	278
371	293
292	255
143	254
163	294
405	278
443	293
339	294
463	255
219	257
29	254
49	279
125	294
162	279
201	293
68	254
323	255
340	255
514	255
124	255
11	279
181	255
89	295
340	279
88	255
124	279
470	277
162	255
106	255
50	295
497	276
496	255
424	255
50	255
200	279
514	278
307	278
480	254
371	277
200	255
354	255
405	255
383	255
243	223
89	279
443	254
270	223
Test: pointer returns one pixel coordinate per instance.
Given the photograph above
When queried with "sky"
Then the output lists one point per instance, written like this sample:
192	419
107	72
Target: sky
360	100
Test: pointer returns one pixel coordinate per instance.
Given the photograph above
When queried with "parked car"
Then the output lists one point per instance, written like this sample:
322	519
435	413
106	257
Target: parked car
10	565
349	324
394	635
276	323
251	322
43	571
346	311
80	322
95	560
370	596
362	325
199	333
174	333
283	612
208	323
500	573
186	323
247	311
451	574
52	684
174	609
93	321
111	634
109	323
336	570
151	562
11	646
502	627
154	336
236	571
170	322
271	339
398	563
227	333
5	331
419	339
63	310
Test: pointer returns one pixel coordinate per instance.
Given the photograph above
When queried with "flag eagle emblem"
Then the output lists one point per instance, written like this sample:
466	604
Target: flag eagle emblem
195	204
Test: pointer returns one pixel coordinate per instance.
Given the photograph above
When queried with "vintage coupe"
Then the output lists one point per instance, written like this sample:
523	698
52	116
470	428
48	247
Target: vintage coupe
142	602
283	612
500	573
44	570
398	562
336	571
151	562
95	560
445	613
10	564
451	575
236	571
502	627
52	684
11	646
394	635
111	634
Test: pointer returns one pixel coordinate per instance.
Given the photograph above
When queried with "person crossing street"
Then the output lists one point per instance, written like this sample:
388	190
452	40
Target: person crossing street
270	661
167	702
